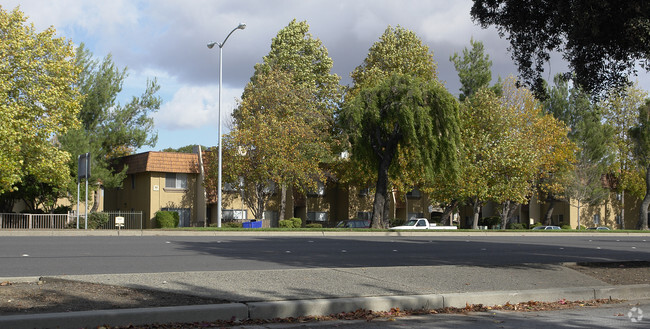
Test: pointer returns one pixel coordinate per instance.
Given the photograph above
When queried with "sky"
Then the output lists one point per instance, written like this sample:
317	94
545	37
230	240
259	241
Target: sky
166	40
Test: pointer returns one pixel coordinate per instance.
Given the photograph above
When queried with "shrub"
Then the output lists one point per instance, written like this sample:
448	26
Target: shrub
396	222
232	225
97	220
566	227
62	210
285	223
314	225
516	226
290	223
582	227
166	219
537	224
489	221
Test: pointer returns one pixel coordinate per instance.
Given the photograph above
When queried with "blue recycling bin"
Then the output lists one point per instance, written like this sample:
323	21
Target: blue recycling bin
252	224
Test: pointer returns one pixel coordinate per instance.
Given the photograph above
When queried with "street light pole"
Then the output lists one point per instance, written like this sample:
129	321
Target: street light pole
211	45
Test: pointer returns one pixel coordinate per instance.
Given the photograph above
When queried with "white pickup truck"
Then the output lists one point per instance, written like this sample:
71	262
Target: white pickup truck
422	224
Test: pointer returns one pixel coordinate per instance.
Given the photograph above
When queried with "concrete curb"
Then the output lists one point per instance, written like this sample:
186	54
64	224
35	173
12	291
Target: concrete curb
20	279
125	317
295	308
316	307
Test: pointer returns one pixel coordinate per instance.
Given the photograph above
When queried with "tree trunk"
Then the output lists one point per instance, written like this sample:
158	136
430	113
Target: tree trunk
283	201
386	220
379	212
549	212
643	213
95	200
445	219
476	208
578	215
511	211
380	199
505	211
622	225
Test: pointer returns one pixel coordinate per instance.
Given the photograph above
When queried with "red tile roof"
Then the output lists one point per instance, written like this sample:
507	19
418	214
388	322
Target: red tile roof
167	162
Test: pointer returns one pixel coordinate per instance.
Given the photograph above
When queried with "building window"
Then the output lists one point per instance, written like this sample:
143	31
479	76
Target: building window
229	187
560	218
364	192
414	215
233	214
133	182
597	219
364	215
271	215
320	190
269	188
414	194
618	219
175	180
317	216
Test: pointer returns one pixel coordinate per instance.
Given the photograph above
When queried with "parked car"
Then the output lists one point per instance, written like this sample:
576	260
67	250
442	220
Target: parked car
603	228
422	224
547	228
354	223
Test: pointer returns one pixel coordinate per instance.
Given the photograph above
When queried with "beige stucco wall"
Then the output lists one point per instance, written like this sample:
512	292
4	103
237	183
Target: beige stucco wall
149	195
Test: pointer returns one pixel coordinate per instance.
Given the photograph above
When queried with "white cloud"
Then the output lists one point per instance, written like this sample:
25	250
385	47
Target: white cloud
197	107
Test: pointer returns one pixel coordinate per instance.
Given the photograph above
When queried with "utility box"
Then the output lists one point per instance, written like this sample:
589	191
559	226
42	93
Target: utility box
252	224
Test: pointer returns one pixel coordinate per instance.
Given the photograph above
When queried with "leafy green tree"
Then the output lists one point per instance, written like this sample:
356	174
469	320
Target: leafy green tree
38	101
283	124
595	142
278	140
474	72
296	51
184	149
402	144
569	105
621	111
601	39
398	51
641	137
417	117
594	139
474	69
108	129
509	146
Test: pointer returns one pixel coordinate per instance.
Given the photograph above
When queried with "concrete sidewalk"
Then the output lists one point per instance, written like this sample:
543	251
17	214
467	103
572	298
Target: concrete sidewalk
291	293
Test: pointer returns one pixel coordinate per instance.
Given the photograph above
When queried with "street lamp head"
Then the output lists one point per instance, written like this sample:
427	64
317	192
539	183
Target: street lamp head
211	45
241	26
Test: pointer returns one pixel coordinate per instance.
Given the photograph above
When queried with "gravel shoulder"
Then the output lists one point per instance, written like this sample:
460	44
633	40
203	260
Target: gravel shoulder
57	295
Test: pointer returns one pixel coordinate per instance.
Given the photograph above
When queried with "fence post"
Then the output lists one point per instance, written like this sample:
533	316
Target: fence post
29	223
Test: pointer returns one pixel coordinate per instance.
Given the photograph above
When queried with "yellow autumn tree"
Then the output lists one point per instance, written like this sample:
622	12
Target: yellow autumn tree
38	101
509	146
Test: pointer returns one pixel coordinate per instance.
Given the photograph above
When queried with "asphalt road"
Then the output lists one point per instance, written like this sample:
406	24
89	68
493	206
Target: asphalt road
30	256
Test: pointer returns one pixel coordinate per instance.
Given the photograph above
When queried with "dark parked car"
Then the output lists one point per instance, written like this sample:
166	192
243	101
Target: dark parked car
355	223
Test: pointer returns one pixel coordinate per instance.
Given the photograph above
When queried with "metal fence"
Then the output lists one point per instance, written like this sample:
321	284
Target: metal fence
34	221
132	221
